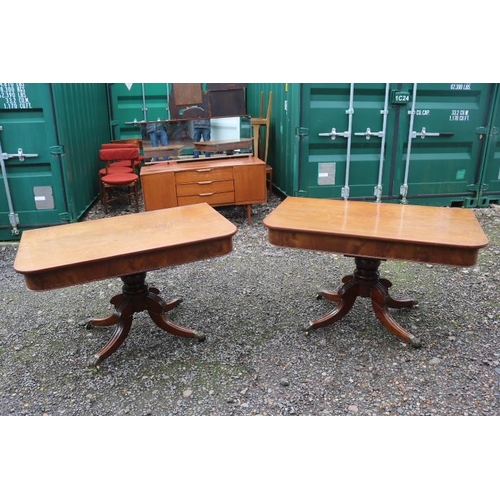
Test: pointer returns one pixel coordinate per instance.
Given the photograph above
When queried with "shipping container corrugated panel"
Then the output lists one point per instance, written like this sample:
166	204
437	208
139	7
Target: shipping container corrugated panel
425	143
50	137
284	130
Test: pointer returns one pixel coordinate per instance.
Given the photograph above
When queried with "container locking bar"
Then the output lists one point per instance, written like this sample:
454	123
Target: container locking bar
13	217
334	134
136	122
423	134
20	155
369	133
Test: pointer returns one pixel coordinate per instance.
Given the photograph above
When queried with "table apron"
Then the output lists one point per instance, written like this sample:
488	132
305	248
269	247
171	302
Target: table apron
84	272
377	249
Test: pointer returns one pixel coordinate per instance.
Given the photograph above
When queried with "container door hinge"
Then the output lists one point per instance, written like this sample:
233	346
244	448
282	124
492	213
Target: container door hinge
301	132
485	131
301	193
66	216
57	150
480	131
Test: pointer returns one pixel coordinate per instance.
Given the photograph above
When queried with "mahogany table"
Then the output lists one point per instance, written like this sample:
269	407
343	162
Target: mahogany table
151	152
370	233
126	246
223	145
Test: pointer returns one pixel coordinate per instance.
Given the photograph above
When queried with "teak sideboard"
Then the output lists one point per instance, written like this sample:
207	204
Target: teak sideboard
238	180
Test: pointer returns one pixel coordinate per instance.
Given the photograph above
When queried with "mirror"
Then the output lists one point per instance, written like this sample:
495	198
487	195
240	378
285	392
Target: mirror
176	139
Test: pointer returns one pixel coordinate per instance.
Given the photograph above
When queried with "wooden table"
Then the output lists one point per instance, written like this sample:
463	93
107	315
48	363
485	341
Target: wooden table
168	150
372	232
222	145
127	247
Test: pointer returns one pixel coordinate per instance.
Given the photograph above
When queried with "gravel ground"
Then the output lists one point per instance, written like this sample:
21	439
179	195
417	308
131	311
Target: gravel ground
253	304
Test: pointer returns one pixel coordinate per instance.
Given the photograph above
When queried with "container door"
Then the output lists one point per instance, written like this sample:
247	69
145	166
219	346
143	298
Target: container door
440	146
343	140
405	143
132	103
31	180
490	179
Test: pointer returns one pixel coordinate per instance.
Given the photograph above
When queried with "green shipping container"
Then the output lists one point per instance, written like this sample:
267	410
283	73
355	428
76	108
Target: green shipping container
425	143
50	134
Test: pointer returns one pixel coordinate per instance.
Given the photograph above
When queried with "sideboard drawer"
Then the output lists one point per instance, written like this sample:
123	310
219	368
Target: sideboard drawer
231	180
204	187
210	198
204	174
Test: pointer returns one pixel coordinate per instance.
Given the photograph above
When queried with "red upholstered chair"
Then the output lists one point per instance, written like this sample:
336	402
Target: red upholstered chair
135	142
120	165
114	182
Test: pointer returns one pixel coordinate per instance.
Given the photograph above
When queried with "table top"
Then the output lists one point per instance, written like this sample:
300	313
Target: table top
439	235
169	149
223	145
70	254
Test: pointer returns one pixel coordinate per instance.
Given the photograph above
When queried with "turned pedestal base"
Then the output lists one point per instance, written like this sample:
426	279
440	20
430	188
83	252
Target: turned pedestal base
366	282
137	296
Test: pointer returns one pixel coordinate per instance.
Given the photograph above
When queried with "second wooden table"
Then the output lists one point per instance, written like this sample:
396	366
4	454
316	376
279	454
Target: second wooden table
372	232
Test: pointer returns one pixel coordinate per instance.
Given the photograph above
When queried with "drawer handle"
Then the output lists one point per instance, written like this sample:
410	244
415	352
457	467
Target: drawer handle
206	194
205	182
204	170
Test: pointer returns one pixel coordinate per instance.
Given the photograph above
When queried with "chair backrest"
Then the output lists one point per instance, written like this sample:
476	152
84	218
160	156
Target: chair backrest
269	106
109	155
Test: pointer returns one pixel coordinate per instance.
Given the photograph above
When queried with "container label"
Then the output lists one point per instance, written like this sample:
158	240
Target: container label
326	174
400	97
460	86
13	96
44	198
459	115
